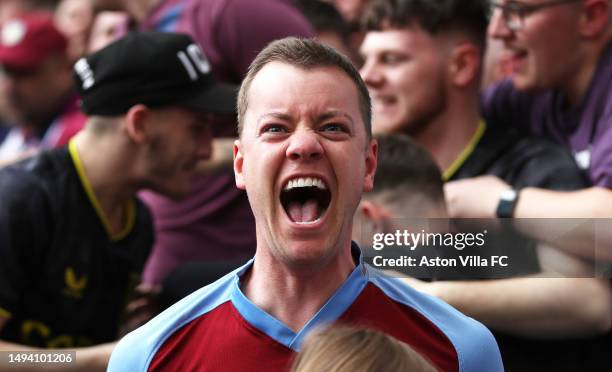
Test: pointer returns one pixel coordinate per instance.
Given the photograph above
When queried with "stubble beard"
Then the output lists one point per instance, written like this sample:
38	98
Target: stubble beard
422	119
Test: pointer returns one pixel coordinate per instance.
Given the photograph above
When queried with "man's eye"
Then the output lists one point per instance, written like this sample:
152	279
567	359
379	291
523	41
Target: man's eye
333	127
274	128
392	58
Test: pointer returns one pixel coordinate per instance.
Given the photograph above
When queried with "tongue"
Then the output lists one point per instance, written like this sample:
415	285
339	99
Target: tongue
307	212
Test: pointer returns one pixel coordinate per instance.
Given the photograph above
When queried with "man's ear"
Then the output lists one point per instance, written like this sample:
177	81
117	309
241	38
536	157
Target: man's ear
370	210
595	18
465	63
371	161
373	216
136	122
238	163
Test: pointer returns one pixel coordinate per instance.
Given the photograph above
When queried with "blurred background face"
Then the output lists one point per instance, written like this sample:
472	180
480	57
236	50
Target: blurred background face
335	41
114	5
106	29
404	70
497	64
179	140
351	10
34	96
545	52
10	8
74	18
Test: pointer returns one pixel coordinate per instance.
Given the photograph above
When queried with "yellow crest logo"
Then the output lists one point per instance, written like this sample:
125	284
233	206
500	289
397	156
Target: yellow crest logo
74	285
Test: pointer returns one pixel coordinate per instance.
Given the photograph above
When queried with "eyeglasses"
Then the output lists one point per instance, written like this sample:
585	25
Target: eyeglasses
514	12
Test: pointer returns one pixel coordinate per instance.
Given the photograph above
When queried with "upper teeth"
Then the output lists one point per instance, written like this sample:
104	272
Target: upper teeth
305	182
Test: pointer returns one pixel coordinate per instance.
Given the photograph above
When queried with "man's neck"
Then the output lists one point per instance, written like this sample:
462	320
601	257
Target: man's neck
291	296
109	181
450	133
140	9
576	88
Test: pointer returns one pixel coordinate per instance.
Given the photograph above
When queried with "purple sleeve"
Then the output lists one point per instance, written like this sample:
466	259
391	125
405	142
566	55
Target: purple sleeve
601	156
502	104
232	32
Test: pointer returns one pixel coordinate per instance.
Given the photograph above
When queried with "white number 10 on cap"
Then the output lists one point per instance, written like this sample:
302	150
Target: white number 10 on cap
194	58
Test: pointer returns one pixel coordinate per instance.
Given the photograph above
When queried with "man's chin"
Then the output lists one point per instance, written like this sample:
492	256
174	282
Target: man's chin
308	252
519	82
307	262
383	127
524	82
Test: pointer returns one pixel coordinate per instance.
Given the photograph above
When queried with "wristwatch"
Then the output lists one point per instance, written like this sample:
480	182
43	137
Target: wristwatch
507	203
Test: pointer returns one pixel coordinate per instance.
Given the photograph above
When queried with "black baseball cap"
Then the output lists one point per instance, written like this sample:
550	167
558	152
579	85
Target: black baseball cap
152	68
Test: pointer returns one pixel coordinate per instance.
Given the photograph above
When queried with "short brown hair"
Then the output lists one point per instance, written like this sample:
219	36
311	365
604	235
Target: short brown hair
408	182
350	349
404	167
434	16
304	54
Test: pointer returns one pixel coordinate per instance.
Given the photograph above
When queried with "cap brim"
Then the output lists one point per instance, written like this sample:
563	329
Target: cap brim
216	99
20	61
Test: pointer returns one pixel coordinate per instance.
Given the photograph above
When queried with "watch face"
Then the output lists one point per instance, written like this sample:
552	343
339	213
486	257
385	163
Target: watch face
509	195
507	201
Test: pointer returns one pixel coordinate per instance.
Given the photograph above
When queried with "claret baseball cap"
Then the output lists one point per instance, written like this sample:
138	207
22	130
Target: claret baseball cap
151	68
28	40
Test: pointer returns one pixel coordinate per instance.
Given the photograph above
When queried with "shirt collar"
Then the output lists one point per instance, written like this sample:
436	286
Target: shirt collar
335	306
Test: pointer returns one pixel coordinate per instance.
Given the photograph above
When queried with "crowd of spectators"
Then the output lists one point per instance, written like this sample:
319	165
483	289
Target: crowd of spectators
496	111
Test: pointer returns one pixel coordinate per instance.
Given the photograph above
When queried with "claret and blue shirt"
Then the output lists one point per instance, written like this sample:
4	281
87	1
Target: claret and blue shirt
217	328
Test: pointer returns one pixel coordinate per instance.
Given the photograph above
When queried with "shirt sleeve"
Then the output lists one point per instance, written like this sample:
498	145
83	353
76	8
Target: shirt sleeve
548	166
22	237
600	170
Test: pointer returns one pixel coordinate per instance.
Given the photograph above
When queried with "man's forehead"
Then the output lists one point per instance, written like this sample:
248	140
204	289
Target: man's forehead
381	39
273	69
295	83
319	115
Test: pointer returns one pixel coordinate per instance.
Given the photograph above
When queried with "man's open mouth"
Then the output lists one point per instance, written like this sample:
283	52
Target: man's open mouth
385	99
305	199
514	55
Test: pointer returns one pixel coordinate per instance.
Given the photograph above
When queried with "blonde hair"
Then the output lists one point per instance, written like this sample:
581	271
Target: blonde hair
349	349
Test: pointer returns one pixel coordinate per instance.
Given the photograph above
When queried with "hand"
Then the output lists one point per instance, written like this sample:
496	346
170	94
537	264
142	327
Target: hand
141	308
476	197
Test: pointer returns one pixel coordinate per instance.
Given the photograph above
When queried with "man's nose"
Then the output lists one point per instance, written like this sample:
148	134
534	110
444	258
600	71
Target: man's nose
370	74
498	28
304	146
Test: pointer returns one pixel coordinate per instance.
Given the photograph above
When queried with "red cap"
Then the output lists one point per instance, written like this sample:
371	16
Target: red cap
27	40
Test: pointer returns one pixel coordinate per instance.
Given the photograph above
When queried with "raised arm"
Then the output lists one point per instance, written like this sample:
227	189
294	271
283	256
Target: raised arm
479	197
